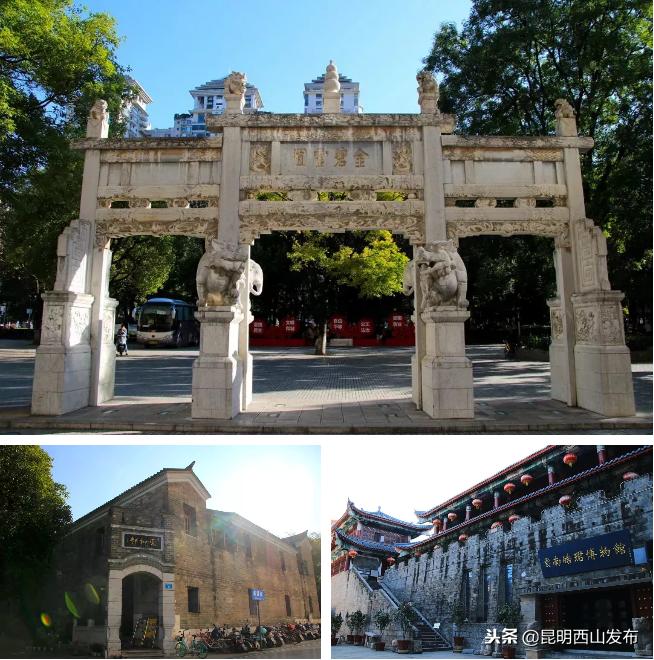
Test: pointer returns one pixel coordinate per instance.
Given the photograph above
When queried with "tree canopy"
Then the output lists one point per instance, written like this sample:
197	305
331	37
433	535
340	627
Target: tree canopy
55	61
501	74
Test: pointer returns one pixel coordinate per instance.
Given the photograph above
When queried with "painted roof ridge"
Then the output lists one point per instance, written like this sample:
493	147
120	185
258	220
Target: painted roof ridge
365	544
385	517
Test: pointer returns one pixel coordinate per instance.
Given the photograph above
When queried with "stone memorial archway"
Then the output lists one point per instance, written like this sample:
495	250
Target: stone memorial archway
450	183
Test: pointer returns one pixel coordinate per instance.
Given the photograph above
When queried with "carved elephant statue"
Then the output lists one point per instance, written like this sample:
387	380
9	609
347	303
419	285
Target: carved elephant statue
255	278
219	273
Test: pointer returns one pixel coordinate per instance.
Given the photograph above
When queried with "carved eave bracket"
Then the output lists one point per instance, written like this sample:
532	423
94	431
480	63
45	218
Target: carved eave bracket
557	229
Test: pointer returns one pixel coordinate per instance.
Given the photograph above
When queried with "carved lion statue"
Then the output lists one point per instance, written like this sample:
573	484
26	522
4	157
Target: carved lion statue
97	119
426	83
236	83
563	110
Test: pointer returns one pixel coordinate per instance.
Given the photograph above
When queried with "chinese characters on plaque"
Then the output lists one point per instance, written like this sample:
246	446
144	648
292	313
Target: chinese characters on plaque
142	541
332	158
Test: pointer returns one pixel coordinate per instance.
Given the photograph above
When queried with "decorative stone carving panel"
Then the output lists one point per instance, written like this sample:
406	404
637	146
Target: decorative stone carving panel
120	227
108	323
260	157
591	256
556	323
402	158
52	327
80	326
72	248
586	327
553	228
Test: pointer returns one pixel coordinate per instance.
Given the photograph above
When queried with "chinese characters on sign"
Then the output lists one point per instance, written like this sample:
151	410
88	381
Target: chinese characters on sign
257	594
575	637
592	554
329	158
142	541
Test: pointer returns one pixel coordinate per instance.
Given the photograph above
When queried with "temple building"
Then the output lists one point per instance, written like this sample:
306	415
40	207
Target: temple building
564	534
156	554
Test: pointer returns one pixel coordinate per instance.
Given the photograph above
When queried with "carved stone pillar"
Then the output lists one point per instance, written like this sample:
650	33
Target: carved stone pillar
62	368
602	360
562	365
114	612
217	374
447	391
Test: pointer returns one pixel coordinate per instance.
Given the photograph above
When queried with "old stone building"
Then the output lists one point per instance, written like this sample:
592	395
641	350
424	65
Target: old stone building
565	533
156	551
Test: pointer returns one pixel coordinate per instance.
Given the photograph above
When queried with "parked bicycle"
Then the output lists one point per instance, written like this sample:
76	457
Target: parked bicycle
197	647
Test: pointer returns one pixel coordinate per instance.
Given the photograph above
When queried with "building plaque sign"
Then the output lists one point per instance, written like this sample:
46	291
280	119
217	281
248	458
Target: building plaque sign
142	541
257	594
583	555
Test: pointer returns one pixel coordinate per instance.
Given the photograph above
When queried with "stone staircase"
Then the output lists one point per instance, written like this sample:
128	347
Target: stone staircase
430	638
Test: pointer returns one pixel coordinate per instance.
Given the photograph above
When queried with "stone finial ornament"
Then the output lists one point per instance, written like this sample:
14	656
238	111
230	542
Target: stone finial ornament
221	275
235	85
441	274
427	92
566	124
331	90
97	124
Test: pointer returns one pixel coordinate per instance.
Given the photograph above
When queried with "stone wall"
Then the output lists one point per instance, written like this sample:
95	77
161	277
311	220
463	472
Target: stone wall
435	581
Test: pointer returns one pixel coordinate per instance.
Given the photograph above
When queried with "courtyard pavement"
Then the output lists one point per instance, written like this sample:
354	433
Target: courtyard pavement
360	390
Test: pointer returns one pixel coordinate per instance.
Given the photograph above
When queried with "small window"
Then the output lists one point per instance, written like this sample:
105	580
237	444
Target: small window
282	561
508	583
193	599
288	605
190	524
201	100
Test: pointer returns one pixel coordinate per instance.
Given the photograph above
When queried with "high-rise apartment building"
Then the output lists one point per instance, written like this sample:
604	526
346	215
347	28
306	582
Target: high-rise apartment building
313	91
135	112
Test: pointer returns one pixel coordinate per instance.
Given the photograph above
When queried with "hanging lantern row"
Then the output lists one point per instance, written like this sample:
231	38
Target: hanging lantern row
437	522
526	479
629	476
390	560
509	488
566	500
417	554
496	525
451	516
513	518
570	459
352	554
477	503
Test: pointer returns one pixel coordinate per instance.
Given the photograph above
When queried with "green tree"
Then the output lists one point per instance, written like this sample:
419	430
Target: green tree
55	60
502	72
35	516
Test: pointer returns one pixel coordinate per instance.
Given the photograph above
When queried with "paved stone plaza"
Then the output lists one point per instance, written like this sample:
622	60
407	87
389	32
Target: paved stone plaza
350	390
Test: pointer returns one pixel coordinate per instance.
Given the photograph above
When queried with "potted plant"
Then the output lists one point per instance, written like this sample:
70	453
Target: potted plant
509	616
405	616
382	620
337	622
356	622
458	618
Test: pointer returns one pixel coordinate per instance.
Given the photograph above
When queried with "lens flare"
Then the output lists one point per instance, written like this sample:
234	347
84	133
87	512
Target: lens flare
46	619
91	594
70	604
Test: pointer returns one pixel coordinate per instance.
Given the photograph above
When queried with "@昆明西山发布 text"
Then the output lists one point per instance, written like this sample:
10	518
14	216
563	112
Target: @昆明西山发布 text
575	637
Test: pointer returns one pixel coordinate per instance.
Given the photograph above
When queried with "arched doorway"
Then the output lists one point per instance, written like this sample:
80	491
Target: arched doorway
141	611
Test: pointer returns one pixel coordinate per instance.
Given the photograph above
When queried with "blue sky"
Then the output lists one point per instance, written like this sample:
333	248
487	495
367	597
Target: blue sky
276	487
172	47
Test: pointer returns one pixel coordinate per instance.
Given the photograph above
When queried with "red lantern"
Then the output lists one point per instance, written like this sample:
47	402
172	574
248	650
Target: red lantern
566	500
496	525
513	518
463	538
417	554
526	479
509	488
437	522
390	561
352	554
451	516
628	476
477	503
570	459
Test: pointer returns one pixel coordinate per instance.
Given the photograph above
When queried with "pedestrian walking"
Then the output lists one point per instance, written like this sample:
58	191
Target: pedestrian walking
122	340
